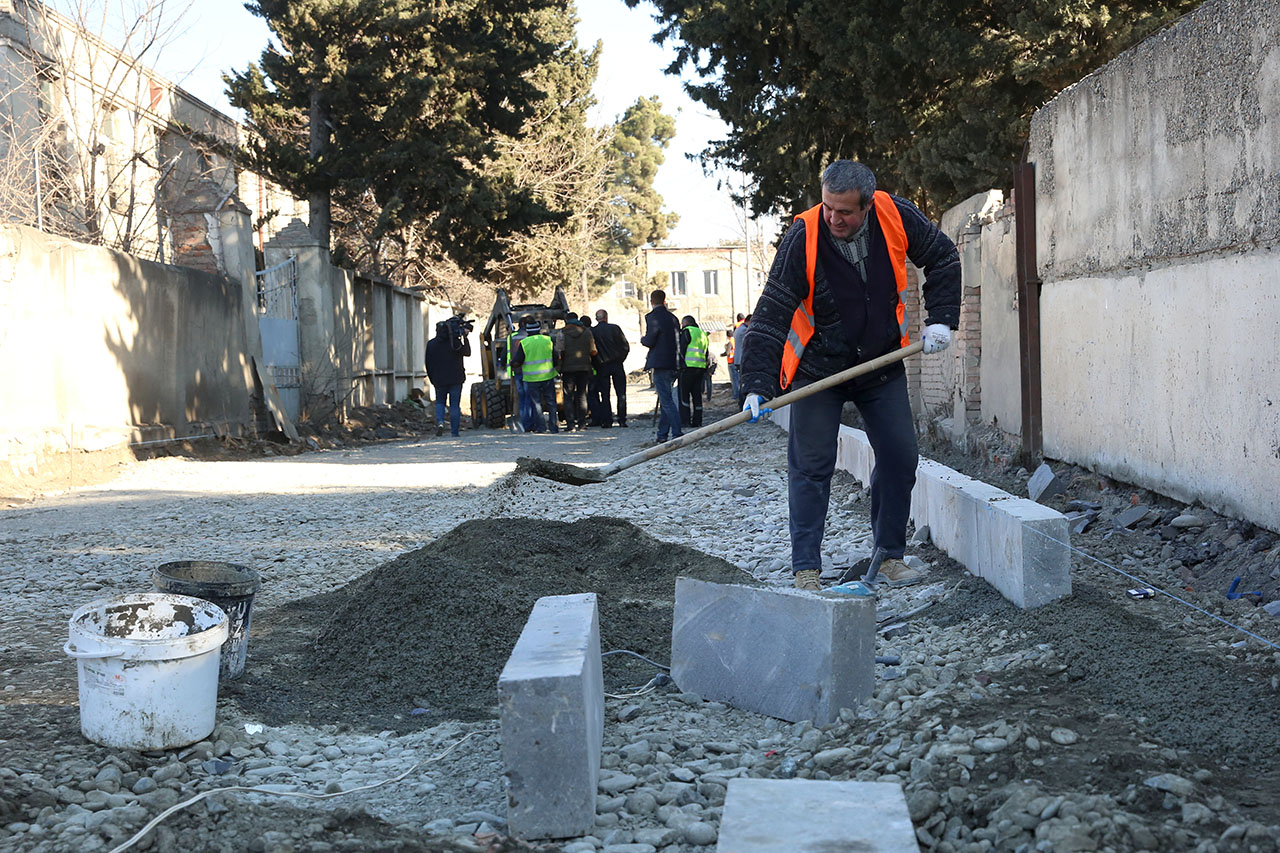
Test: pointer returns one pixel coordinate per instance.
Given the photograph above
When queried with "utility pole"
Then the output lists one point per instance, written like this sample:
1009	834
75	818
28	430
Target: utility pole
746	221
39	198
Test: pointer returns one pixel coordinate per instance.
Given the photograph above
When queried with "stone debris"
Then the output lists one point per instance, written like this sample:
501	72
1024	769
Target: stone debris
1044	484
1131	516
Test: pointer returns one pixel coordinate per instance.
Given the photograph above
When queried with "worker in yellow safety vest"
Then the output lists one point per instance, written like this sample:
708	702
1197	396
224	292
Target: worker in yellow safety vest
536	359
693	370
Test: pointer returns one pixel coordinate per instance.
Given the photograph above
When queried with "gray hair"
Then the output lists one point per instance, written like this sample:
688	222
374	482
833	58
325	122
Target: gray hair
843	176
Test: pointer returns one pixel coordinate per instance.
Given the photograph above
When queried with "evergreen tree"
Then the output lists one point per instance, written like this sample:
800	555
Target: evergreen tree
635	155
935	95
393	108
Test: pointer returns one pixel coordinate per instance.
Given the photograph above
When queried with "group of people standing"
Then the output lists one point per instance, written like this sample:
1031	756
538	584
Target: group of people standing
588	361
681	362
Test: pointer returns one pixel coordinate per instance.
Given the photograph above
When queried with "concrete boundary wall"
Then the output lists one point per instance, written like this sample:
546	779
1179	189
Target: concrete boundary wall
362	341
1017	545
99	348
1158	233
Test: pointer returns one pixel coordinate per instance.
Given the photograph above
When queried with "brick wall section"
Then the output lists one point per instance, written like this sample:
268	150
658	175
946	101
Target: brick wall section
295	235
911	300
949	385
191	247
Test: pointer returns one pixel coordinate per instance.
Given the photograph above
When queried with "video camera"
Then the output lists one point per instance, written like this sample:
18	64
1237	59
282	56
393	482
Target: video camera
459	328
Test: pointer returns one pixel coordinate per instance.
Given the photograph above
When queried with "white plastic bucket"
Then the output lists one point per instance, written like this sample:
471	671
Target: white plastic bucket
148	667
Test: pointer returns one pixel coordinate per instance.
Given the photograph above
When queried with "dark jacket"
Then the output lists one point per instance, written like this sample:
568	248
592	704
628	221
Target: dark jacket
444	363
611	343
855	319
662	337
576	348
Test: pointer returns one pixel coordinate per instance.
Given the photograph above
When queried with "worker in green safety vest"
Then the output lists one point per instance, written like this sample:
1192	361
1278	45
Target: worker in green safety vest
536	358
693	370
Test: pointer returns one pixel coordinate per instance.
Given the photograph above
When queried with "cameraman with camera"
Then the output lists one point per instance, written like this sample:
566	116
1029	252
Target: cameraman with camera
445	370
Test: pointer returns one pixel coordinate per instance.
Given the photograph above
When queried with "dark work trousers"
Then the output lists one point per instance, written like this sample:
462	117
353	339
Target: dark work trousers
811	459
611	372
575	397
691	381
595	408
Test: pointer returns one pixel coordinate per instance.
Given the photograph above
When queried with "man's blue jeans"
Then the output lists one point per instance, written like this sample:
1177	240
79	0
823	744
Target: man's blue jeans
542	397
733	380
454	395
524	405
811	459
668	410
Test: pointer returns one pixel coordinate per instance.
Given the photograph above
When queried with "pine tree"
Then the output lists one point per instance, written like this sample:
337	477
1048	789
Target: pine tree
636	154
392	110
935	95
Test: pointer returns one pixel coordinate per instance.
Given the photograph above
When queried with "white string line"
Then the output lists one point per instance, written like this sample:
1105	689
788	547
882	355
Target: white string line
155	821
1147	583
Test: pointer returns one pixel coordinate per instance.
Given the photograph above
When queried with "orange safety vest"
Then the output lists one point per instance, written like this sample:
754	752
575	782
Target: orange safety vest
802	322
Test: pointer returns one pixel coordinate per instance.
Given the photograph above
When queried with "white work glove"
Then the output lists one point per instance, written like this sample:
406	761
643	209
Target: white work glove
754	404
936	338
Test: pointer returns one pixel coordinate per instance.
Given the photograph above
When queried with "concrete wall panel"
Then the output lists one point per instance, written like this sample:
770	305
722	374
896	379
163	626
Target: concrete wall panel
1165	382
1000	371
98	348
1158	199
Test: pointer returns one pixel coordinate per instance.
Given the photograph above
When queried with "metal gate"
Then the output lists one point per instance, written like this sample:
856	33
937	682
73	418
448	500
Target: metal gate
278	326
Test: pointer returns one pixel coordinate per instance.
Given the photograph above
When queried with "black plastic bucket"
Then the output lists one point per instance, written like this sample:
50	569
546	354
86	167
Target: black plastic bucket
227	585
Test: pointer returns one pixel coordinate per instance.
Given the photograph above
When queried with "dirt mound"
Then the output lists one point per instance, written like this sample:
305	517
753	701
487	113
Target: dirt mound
433	628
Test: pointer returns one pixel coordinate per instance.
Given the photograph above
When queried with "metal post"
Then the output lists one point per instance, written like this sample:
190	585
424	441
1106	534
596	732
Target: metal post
746	215
39	196
1024	188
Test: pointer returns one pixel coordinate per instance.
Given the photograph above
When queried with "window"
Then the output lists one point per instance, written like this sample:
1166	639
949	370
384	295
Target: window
47	97
711	282
679	287
628	288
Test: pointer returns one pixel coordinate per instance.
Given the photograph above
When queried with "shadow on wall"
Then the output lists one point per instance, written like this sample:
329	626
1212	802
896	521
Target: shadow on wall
178	340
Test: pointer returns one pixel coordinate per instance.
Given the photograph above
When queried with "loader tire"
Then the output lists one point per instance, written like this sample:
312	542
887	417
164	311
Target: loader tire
488	406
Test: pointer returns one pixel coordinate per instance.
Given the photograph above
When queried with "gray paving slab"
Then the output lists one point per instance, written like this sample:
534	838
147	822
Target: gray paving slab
809	816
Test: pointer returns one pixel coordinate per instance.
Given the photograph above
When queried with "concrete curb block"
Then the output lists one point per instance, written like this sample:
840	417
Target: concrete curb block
551	706
782	652
1007	541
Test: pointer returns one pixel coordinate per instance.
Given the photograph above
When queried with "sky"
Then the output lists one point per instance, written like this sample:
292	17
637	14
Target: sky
220	35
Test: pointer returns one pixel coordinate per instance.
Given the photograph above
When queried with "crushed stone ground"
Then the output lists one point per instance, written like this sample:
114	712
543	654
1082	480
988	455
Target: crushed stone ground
1147	690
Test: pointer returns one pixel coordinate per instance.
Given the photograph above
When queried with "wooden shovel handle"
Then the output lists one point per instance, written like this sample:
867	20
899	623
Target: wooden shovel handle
743	417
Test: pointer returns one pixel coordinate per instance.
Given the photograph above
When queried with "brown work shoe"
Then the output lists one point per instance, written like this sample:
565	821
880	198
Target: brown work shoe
897	573
807	579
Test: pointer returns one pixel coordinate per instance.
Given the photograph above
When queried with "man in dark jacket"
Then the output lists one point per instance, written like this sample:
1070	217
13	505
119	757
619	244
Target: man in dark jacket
594	417
662	337
445	371
612	349
577	349
857	315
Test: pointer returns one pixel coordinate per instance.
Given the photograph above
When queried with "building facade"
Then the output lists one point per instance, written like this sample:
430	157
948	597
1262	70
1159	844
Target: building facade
712	283
97	147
